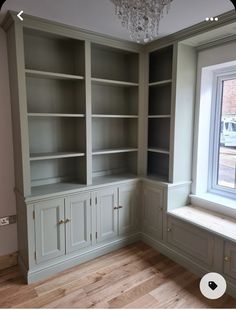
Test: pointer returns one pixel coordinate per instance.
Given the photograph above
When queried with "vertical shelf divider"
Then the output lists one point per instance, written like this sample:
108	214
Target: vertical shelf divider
88	109
143	114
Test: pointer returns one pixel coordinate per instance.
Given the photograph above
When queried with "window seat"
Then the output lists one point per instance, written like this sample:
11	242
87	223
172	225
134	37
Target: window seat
214	222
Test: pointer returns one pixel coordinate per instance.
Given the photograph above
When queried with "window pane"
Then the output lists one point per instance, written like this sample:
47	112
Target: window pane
227	149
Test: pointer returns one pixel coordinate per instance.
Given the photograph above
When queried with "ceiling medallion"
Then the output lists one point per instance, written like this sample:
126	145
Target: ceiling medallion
141	17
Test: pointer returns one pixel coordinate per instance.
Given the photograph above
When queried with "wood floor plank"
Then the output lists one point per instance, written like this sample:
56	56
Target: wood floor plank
90	268
106	293
96	279
133	277
141	288
144	302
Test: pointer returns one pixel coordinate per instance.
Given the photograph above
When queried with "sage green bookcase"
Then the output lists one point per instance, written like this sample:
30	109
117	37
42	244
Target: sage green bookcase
56	107
77	113
92	124
115	78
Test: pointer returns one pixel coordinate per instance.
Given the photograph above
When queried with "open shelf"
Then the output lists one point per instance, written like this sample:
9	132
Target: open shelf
114	151
56	135
113	116
158	166
52	75
55	97
55	115
160	83
160	112
46	156
160	100
113	83
159	150
114	65
115	133
109	100
114	164
159	134
53	54
161	65
159	116
58	171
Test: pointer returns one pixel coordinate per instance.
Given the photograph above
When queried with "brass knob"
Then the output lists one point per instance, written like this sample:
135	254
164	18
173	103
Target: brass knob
67	221
226	259
169	229
61	222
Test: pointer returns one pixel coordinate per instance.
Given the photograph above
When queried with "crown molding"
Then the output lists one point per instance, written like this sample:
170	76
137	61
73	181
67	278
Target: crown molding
42	24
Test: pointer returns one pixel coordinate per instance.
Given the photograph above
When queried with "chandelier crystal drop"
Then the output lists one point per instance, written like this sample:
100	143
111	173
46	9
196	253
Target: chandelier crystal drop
141	17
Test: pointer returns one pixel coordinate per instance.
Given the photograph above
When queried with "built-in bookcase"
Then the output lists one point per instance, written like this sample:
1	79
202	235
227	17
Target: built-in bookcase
159	116
55	89
115	77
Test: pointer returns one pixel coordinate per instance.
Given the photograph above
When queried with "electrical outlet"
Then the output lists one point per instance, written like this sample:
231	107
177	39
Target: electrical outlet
4	221
7	220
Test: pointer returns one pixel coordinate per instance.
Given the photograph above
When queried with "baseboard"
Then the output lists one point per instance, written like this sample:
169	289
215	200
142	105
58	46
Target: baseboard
34	276
182	260
7	261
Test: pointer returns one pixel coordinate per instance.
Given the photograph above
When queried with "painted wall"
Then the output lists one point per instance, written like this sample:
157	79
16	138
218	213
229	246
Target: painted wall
8	234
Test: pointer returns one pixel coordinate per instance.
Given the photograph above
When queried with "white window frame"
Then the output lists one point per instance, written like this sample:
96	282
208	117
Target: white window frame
213	186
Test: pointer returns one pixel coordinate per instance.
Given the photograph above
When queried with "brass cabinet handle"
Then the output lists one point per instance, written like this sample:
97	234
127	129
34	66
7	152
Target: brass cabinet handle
169	229
226	259
61	222
116	208
67	221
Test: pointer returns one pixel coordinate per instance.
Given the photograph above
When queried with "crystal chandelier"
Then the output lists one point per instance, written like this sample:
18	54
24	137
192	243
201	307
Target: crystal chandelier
141	17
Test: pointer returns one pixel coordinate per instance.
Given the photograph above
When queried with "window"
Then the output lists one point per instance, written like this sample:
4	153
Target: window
223	155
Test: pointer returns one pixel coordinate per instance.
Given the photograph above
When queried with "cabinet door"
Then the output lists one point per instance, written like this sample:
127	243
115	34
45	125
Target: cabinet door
128	208
78	222
153	212
49	229
107	214
230	260
192	241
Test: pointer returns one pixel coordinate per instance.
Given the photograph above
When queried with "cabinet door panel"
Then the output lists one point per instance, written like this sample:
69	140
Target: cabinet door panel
50	235
191	240
152	212
78	226
230	260
107	214
128	208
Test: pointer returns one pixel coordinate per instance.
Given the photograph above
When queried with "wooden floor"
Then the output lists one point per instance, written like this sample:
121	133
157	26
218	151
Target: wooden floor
133	277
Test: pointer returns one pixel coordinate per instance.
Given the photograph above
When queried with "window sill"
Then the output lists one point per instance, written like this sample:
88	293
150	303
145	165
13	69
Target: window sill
213	222
215	203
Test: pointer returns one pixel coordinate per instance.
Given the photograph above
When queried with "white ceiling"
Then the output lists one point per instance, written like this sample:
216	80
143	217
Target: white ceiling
98	15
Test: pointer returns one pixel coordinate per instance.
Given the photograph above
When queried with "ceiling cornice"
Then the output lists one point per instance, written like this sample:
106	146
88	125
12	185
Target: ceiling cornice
60	28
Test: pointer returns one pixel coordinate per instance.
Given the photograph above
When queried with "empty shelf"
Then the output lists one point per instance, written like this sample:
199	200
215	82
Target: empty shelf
160	116
159	83
159	150
113	82
52	75
46	156
114	151
54	115
113	116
